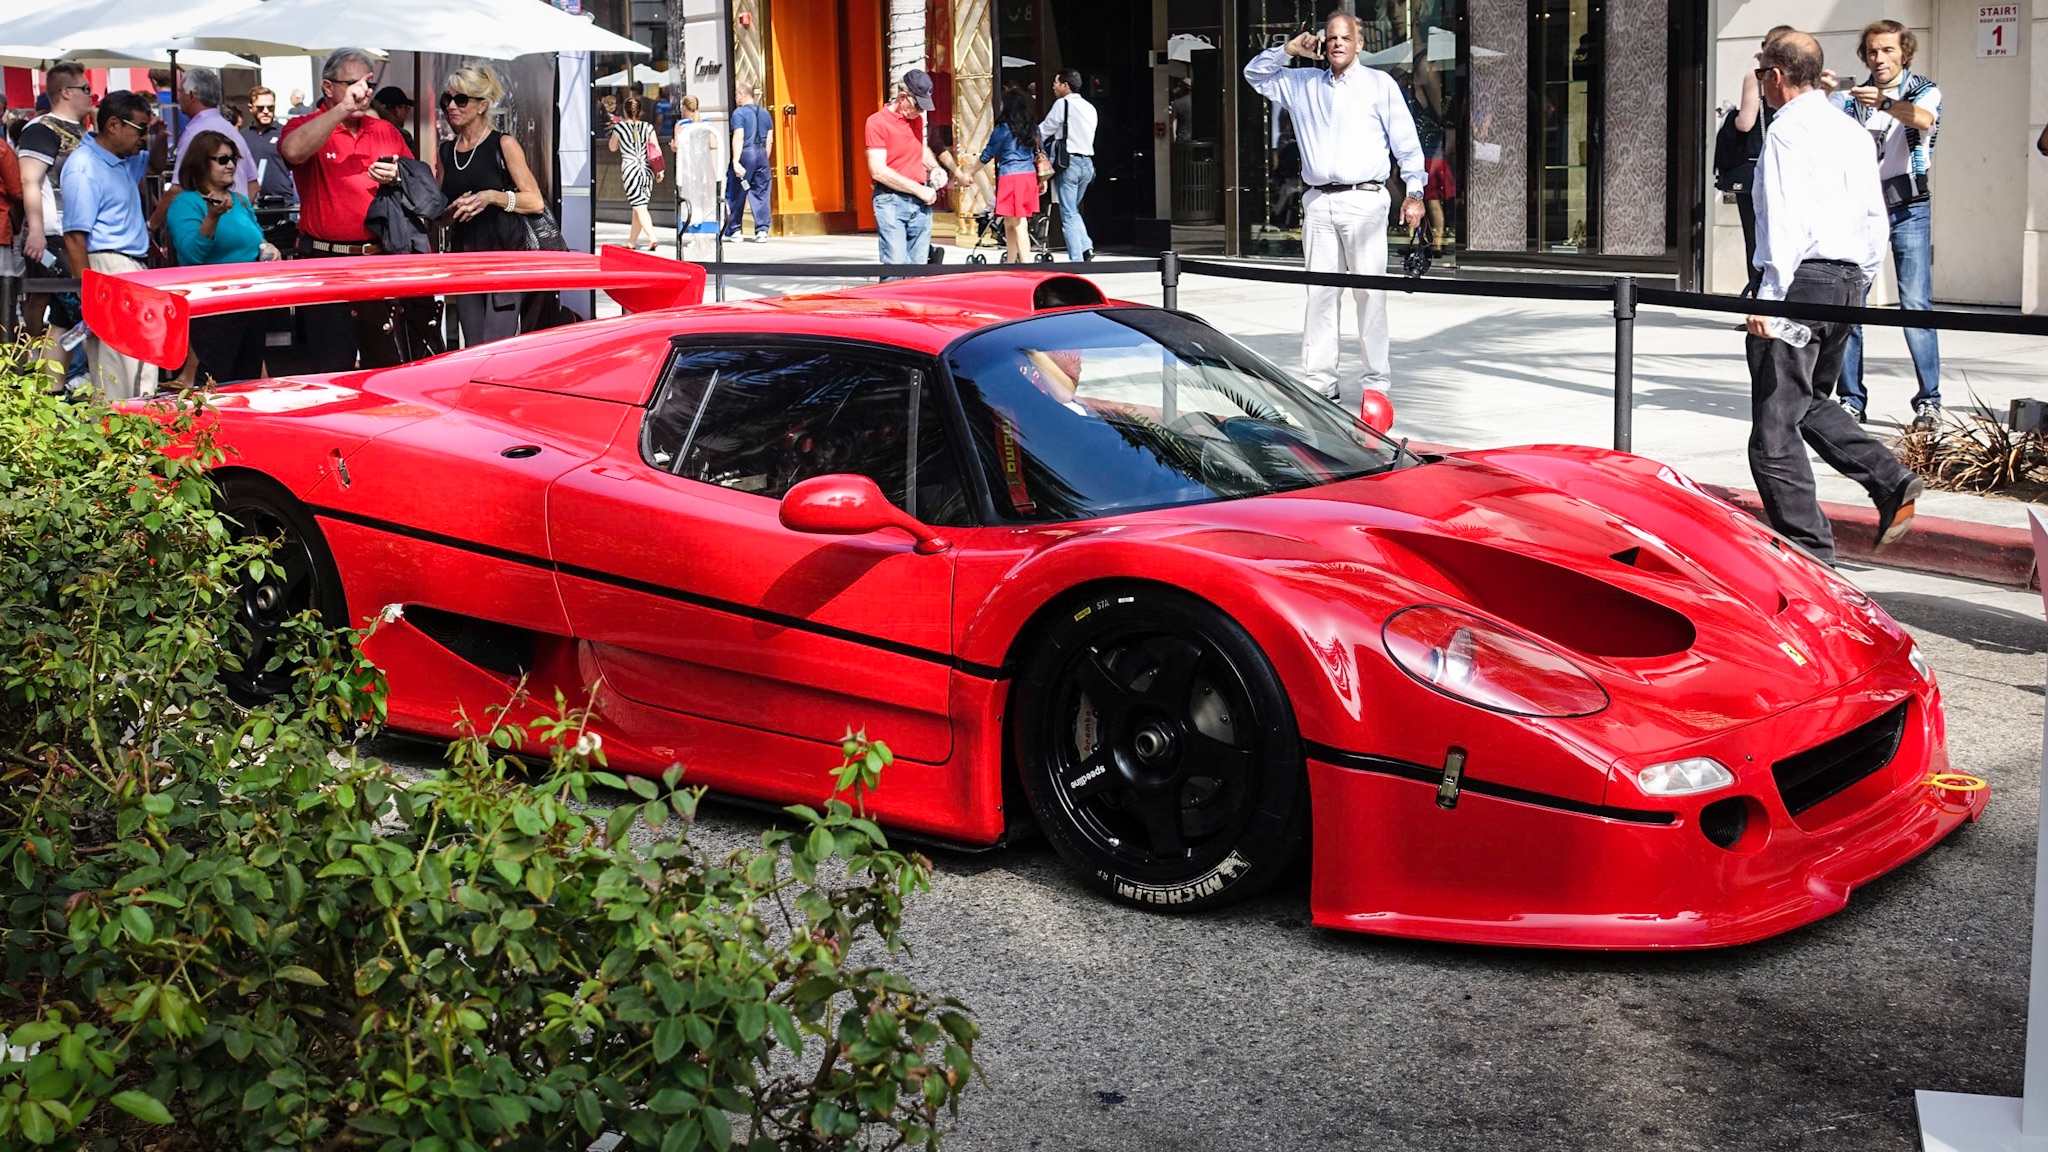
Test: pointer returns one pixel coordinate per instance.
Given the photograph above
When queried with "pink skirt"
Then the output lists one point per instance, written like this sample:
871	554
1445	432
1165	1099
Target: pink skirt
1017	195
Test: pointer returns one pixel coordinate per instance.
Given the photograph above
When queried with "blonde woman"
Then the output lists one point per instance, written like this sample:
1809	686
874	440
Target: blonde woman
487	181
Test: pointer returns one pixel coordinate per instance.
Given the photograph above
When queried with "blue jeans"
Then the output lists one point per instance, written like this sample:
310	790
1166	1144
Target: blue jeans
1070	185
750	193
1911	258
903	226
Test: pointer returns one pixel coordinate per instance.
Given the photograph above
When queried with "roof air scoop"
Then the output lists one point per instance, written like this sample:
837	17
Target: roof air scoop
1065	292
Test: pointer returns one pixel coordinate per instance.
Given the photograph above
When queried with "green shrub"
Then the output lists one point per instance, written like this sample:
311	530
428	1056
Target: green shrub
224	929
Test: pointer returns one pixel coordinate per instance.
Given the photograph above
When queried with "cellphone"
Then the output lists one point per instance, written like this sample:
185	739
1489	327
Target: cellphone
391	159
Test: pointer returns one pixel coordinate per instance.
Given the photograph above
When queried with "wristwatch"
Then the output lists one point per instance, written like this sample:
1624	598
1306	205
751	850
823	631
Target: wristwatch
1415	194
1885	105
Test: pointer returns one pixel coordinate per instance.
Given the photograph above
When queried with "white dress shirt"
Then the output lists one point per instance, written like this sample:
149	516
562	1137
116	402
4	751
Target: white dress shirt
1817	194
1074	118
1346	125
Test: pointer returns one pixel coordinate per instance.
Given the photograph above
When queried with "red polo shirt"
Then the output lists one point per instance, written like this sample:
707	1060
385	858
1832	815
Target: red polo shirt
902	142
335	188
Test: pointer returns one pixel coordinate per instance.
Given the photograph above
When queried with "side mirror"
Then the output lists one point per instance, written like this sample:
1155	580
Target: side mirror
1375	410
845	505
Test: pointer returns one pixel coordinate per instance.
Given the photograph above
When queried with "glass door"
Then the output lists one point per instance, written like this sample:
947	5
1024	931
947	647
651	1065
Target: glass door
1565	79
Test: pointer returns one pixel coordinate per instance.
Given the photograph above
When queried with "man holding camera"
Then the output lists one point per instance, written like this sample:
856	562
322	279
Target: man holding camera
1902	113
339	155
1347	120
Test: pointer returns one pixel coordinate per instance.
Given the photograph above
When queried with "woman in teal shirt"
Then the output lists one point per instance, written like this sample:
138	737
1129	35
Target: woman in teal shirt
211	223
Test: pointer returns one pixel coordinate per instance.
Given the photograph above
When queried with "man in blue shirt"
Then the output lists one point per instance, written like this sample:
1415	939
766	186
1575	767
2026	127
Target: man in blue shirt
753	134
104	226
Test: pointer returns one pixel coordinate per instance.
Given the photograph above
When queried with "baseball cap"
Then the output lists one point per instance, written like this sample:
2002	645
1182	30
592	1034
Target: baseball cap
920	85
392	96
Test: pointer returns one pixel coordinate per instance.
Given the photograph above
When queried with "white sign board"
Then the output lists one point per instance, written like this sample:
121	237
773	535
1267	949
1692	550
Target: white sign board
1998	30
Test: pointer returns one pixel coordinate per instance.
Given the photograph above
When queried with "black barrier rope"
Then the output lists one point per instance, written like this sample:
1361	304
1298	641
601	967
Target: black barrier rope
1603	292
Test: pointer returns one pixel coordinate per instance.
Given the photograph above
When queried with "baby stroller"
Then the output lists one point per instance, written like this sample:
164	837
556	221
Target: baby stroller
988	233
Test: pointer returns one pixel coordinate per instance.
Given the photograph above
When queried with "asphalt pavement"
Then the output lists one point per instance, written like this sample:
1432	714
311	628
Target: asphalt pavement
1107	1028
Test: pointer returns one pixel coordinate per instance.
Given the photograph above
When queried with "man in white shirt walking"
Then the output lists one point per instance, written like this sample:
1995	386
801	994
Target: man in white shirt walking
1346	121
1071	122
1820	233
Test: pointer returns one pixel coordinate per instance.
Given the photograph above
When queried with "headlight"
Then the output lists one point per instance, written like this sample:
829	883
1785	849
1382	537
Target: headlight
1684	777
1919	662
1483	663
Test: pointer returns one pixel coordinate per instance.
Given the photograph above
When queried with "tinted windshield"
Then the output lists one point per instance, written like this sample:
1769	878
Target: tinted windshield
1081	414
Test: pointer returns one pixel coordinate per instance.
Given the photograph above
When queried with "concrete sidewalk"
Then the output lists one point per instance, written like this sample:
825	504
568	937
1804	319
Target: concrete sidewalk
1478	373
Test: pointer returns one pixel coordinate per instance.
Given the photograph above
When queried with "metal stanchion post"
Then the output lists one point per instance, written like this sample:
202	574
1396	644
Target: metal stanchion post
1624	361
718	243
1169	279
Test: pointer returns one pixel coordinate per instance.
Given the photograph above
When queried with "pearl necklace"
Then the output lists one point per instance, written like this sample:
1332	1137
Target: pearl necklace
459	165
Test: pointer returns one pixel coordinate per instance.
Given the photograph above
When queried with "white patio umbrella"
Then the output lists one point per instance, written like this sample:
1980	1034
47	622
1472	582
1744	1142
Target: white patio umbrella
498	29
638	74
33	56
118	33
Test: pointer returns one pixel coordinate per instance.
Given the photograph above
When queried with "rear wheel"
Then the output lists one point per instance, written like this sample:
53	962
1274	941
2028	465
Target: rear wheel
1158	751
300	577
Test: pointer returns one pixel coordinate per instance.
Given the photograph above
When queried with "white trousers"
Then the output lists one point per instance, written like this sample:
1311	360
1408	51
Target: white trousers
117	377
1344	232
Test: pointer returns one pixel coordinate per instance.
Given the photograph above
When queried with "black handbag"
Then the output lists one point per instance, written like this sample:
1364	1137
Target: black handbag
1056	150
543	234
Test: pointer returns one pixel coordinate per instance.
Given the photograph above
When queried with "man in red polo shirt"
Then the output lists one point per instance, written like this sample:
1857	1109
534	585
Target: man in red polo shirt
339	156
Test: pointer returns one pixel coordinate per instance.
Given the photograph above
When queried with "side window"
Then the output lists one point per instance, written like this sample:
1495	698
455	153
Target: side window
760	420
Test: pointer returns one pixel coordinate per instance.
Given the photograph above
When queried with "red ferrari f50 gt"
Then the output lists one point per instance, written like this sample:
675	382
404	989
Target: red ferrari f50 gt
1097	559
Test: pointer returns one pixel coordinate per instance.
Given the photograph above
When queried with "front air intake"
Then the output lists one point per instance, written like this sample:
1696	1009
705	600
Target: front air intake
1809	778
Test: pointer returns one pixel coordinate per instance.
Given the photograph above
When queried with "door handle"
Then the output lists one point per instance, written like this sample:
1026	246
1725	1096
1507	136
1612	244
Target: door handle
520	451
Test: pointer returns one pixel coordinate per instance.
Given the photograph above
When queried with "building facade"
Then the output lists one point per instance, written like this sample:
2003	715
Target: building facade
1560	135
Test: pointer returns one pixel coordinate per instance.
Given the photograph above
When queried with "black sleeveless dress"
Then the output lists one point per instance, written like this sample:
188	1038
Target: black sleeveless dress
481	169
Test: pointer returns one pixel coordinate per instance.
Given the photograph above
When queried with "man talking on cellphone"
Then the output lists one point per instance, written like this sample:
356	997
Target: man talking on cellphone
339	155
1347	121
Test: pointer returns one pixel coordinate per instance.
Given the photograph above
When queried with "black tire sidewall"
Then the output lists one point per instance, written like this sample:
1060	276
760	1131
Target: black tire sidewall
247	491
1271	840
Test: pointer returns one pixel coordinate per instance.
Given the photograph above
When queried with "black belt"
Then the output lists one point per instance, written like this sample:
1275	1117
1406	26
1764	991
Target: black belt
880	188
1834	264
1369	186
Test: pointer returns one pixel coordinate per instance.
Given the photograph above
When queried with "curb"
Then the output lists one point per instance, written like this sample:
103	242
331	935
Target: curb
1959	548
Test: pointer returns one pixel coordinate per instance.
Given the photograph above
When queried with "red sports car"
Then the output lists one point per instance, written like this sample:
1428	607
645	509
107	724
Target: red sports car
1099	559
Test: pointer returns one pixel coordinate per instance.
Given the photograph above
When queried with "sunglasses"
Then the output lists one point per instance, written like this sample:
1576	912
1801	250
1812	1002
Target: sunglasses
140	129
227	161
1763	72
76	88
263	107
460	99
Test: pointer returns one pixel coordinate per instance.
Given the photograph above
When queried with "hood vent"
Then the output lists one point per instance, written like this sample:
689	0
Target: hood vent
1563	605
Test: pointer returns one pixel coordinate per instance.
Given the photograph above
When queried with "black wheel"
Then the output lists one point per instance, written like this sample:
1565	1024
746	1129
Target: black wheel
976	258
1158	751
300	577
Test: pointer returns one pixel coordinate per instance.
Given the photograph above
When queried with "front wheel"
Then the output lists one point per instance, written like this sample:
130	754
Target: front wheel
1157	749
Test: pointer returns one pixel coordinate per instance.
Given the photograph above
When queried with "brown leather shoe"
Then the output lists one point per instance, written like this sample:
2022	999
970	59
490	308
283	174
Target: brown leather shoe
1895	513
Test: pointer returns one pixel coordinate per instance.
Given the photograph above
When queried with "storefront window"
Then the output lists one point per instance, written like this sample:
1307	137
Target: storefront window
1417	43
1565	39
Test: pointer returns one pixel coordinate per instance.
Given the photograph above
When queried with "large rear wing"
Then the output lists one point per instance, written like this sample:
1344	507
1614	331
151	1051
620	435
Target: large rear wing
148	314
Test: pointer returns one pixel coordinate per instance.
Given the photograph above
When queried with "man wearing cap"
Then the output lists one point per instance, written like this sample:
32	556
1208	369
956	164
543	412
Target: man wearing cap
394	107
901	164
